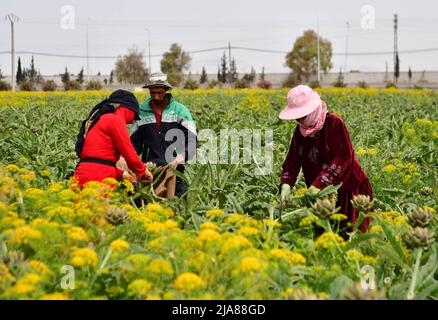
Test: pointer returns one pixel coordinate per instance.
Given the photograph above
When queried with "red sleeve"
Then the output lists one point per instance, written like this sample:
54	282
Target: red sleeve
292	164
122	142
343	151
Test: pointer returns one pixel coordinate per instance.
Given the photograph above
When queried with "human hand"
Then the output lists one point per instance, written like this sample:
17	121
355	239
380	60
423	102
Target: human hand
178	160
129	177
285	193
147	177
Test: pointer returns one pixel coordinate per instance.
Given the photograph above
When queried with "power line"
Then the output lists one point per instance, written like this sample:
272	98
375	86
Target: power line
59	55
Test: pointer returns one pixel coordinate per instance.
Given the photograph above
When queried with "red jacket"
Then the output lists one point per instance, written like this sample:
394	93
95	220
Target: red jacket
328	158
109	139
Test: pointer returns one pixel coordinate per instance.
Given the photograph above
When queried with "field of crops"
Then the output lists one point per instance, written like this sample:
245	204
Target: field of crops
224	240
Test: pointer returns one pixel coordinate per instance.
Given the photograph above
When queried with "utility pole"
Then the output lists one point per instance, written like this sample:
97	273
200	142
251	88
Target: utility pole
88	63
319	55
12	19
346	47
395	45
149	48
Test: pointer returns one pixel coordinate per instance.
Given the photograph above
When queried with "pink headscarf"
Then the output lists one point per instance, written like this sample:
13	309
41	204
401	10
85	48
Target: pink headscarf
314	121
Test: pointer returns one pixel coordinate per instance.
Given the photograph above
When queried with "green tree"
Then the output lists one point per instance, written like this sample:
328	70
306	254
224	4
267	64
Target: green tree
131	68
397	68
111	79
174	62
80	78
262	75
224	69
410	74
19	77
65	78
232	75
204	77
32	73
303	59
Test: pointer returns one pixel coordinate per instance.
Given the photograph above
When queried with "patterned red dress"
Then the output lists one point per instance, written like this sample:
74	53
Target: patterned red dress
328	158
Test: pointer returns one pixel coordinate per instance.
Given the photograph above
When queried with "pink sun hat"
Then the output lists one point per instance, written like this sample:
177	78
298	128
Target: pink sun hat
301	101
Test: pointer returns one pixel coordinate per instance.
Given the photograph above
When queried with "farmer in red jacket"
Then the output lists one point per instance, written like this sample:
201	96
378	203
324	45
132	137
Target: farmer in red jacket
321	146
103	138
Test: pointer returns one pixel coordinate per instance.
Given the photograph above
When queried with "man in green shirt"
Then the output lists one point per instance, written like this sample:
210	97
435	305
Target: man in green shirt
166	133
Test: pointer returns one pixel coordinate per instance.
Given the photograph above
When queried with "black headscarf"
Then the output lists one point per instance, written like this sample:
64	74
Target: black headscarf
118	97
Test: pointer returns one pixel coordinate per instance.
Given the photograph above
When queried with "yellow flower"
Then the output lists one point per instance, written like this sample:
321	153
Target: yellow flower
128	185
5	275
235	242
159	209
248	231
189	281
361	151
308	220
329	240
33	193
139	287
389	168
271	223
158	227
45	173
67	195
214	213
119	245
292	258
3	207
55	187
357	256
61	211
338	217
407	178
77	234
208	225
24	285
12	168
55	296
208	235
38	267
160	266
156	244
29	176
23	234
83	256
430	209
300	191
249	265
424	122
376	229
139	260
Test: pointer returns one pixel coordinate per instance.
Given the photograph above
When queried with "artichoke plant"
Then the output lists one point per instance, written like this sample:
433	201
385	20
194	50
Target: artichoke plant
419	237
324	208
12	257
420	217
362	203
116	216
357	292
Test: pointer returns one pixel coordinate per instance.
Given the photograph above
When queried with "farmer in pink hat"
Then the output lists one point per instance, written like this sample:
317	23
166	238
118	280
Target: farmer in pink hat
321	146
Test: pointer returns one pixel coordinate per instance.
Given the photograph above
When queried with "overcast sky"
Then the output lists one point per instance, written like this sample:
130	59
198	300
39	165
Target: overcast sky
115	26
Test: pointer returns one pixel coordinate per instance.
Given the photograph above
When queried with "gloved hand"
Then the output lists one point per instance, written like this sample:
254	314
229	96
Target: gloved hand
285	193
147	177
